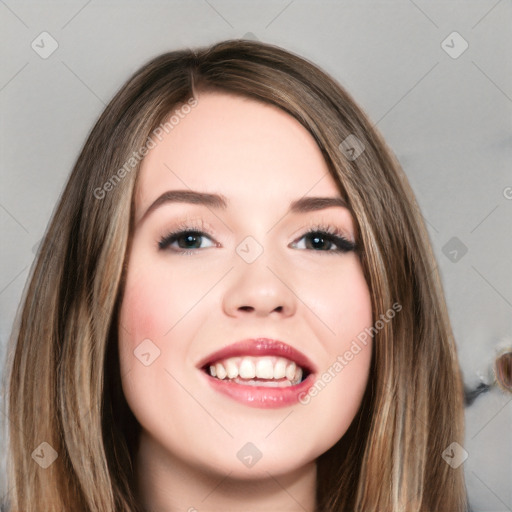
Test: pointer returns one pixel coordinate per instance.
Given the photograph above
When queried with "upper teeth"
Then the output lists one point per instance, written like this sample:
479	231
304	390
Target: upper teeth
260	367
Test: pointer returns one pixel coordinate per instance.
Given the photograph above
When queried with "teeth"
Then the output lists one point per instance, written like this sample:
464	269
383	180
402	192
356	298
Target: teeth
290	371
264	383
220	371
280	368
265	368
231	369
245	369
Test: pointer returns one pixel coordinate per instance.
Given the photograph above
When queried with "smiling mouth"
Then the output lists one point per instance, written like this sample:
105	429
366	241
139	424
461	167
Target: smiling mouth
265	371
259	372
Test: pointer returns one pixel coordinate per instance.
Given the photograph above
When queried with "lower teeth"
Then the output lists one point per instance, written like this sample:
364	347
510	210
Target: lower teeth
264	383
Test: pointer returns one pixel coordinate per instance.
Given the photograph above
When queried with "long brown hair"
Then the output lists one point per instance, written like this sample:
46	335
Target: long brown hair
64	387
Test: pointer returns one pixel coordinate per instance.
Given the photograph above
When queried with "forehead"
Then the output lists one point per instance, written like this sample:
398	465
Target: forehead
244	149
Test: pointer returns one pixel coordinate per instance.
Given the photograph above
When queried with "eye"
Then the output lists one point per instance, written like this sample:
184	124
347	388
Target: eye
185	241
324	240
188	240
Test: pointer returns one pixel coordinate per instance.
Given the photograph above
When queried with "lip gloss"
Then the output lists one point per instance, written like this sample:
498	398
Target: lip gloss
254	395
261	396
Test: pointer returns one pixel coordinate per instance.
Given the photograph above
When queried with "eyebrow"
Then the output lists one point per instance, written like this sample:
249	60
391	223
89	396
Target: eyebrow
220	202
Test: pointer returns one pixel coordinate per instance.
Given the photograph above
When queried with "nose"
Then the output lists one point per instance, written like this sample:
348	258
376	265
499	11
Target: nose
260	290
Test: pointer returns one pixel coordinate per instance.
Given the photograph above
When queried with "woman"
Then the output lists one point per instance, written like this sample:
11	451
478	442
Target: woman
235	305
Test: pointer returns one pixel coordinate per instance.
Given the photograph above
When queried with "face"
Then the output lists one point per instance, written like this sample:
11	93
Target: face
231	295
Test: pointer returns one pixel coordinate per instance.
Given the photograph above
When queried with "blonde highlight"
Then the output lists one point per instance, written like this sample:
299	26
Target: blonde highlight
65	335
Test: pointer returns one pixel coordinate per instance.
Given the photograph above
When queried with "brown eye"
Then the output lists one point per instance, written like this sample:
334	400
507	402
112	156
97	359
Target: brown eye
322	241
186	240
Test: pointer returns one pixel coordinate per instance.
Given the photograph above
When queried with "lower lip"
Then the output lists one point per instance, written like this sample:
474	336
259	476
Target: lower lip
260	396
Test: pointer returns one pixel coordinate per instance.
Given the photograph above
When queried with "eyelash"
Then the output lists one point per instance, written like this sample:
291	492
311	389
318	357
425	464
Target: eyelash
326	232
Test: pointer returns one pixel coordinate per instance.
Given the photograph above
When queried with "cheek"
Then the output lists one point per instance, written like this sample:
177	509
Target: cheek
143	322
344	305
342	301
147	313
156	297
140	311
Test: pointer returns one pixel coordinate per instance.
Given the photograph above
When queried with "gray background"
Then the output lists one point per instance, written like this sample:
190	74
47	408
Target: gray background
447	119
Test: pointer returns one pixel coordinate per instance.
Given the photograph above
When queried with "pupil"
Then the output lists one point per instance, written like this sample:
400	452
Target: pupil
191	240
318	242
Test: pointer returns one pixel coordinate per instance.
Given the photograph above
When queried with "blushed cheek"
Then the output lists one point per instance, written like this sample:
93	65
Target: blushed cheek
136	319
146	299
140	341
159	293
138	322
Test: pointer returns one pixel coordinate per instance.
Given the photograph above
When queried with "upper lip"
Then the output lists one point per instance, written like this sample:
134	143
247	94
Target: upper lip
260	347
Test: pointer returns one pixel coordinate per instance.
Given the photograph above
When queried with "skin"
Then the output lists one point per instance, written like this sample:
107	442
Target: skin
190	305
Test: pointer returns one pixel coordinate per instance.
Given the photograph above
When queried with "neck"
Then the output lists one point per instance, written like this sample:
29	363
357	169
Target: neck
168	484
